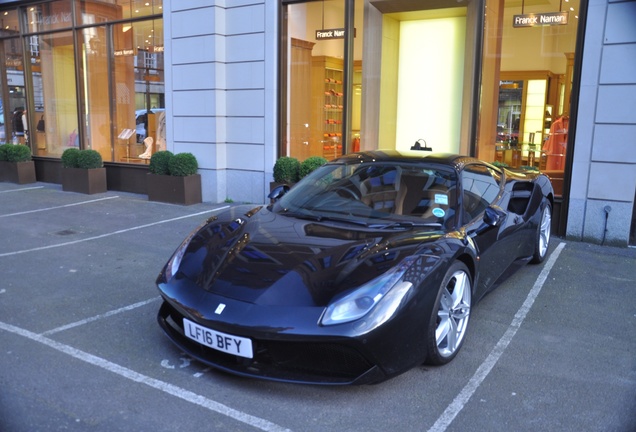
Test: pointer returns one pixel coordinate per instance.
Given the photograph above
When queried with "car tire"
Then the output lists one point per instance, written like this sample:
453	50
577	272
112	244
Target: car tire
542	237
450	315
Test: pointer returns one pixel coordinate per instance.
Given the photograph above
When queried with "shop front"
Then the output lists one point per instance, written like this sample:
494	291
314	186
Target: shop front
83	74
360	74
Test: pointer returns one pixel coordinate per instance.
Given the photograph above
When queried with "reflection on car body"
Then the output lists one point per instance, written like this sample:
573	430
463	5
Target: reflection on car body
366	268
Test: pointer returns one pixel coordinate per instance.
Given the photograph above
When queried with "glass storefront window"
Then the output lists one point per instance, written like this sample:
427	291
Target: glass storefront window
315	85
54	92
95	82
12	92
413	76
91	12
13	80
405	77
317	105
48	16
84	87
526	86
139	91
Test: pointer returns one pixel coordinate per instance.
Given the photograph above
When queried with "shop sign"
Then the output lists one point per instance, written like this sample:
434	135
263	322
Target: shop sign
326	34
49	20
540	19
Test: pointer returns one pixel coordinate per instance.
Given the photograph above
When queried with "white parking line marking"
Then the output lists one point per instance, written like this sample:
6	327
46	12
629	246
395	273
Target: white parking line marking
58	207
165	387
98	317
22	189
482	372
109	234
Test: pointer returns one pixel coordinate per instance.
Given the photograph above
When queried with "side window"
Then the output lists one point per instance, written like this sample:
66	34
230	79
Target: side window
480	188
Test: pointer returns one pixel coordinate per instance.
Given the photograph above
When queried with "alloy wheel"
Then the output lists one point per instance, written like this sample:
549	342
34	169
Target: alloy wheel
545	230
453	313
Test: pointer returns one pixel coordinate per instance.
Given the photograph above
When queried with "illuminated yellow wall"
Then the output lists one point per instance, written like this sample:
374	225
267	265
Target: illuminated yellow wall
430	83
388	85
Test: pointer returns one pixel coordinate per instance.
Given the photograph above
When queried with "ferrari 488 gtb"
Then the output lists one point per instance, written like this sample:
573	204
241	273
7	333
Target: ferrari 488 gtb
367	267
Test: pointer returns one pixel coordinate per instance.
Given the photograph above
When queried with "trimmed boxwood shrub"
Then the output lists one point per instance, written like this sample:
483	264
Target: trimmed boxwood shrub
310	164
69	158
159	162
4	150
286	170
19	153
183	164
89	159
15	153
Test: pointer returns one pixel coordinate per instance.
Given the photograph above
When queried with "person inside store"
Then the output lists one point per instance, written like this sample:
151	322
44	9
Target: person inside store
25	127
18	126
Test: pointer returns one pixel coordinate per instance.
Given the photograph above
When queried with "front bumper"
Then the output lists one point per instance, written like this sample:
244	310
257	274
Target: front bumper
311	361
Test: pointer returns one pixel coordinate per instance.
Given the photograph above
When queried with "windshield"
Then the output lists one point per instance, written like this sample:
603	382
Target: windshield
402	193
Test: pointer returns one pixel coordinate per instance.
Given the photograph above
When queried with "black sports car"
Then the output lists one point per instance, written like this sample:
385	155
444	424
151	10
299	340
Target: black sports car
367	267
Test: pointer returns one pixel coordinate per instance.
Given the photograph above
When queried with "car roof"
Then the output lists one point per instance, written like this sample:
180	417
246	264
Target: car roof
453	160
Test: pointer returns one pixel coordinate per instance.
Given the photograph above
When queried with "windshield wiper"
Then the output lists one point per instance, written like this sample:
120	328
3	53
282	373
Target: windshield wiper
407	224
299	215
323	218
344	220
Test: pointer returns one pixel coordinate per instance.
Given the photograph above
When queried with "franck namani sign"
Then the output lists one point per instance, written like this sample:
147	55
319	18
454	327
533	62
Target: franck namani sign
540	19
323	34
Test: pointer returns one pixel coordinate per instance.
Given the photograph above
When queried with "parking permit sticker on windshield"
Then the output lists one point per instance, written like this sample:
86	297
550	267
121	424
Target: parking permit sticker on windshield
441	199
438	212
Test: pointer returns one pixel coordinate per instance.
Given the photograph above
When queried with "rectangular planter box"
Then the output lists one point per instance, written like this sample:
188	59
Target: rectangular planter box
86	181
17	172
174	189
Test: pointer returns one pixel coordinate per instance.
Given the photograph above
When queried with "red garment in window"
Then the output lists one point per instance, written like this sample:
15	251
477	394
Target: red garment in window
555	145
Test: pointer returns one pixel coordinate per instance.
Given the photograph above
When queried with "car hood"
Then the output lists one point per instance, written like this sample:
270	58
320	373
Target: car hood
261	257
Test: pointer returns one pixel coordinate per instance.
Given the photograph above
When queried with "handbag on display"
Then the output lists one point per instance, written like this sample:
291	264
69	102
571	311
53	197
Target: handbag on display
40	125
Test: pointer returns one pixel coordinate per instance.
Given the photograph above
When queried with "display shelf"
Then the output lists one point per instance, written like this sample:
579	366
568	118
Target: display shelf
329	76
332	114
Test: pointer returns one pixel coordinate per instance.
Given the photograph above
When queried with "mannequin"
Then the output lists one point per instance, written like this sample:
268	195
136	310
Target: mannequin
161	131
18	126
148	153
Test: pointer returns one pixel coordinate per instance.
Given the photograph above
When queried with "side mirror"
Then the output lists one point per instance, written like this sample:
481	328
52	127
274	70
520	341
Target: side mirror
278	193
494	216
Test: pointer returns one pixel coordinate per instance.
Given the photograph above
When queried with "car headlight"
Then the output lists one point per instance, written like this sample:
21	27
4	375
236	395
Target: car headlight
175	261
358	303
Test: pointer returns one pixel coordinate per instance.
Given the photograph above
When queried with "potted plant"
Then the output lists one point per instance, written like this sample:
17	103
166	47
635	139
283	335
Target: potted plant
286	170
310	164
16	165
173	178
83	171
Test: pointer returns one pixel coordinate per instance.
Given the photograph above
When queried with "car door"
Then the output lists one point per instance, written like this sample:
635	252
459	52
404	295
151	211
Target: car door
481	187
